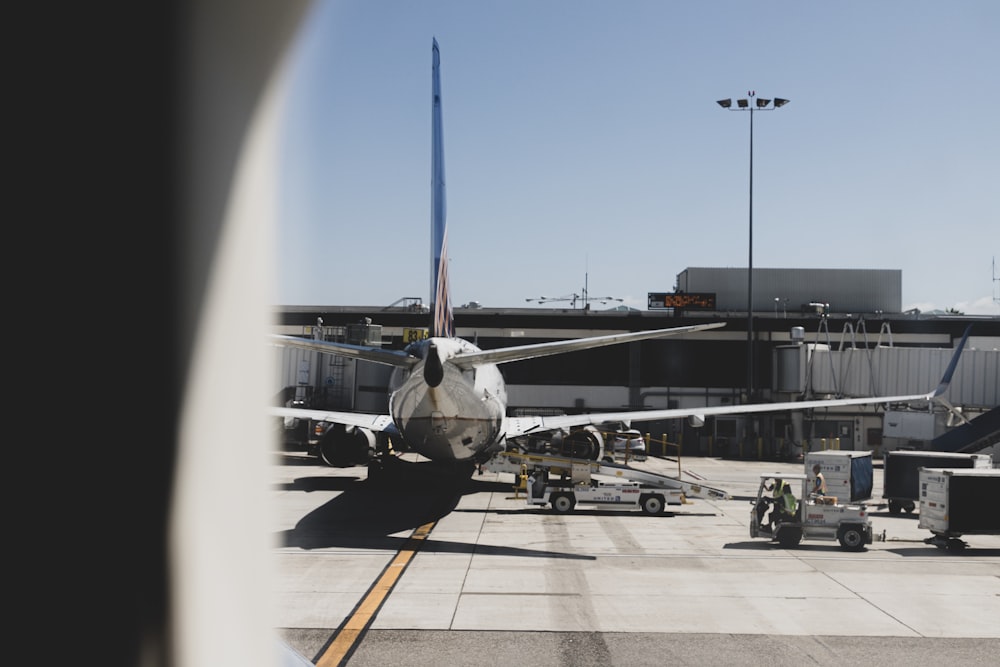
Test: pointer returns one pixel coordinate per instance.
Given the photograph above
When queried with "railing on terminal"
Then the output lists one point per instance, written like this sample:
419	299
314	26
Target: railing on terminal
755	447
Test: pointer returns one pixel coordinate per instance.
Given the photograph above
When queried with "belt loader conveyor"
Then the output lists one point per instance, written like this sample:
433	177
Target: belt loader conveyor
561	481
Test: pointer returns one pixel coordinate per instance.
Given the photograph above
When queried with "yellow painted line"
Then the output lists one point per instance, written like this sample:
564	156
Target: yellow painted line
350	633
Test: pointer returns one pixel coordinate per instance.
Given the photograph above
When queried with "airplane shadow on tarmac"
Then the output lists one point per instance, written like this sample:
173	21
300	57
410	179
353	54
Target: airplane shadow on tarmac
369	513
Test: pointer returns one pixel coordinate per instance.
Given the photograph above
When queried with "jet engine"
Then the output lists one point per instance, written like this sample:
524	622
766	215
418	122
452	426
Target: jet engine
342	447
583	443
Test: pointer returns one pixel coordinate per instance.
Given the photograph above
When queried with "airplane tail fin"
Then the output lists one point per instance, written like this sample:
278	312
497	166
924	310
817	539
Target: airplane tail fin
952	365
444	322
444	325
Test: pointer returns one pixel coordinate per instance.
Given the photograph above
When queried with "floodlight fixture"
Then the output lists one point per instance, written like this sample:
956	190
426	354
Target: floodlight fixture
779	102
761	102
726	103
742	103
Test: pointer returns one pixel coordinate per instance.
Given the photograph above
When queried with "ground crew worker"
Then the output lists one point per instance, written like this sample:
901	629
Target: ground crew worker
781	492
819	482
787	504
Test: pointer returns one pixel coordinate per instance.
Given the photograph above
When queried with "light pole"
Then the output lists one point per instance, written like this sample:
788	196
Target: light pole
751	103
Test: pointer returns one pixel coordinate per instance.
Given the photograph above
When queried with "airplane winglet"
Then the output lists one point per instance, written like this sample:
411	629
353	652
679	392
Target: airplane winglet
952	365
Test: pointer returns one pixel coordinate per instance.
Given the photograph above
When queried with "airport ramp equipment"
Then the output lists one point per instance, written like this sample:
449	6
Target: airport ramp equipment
958	501
901	473
580	471
849	473
975	436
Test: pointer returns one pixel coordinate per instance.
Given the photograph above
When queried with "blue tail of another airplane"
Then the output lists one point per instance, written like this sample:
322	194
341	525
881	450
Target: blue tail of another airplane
953	364
444	325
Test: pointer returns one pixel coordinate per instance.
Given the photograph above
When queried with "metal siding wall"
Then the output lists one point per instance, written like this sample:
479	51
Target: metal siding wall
846	290
787	375
977	378
908	370
729	286
820	373
557	396
856	372
287	361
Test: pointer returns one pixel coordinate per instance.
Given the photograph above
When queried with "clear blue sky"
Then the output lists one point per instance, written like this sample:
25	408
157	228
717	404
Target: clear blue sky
583	142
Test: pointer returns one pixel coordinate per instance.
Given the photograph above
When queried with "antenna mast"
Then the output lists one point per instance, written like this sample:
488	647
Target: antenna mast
996	283
574	297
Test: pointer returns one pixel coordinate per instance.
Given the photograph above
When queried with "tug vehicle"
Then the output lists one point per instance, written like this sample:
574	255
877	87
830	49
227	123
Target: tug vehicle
816	517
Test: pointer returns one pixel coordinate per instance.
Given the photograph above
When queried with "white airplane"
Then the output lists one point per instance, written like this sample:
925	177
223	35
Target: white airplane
448	399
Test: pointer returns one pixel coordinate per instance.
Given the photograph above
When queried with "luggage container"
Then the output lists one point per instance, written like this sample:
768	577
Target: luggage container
901	473
956	502
849	474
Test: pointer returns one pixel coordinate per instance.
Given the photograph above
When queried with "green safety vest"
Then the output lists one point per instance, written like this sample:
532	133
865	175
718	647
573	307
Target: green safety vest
789	501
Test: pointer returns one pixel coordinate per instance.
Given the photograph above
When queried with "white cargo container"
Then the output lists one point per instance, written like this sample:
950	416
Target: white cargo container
959	501
849	474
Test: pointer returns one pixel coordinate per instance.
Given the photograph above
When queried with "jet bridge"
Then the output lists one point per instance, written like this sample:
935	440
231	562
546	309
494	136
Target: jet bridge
579	471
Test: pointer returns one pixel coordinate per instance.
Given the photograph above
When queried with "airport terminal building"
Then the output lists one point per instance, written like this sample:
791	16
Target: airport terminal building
813	334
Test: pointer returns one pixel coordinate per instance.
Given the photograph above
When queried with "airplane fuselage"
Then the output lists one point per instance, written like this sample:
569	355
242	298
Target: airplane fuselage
458	419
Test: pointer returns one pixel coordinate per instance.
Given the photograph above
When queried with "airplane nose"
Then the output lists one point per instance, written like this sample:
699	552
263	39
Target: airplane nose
433	368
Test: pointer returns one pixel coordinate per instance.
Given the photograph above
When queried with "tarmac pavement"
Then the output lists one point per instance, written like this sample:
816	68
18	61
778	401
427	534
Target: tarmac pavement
489	580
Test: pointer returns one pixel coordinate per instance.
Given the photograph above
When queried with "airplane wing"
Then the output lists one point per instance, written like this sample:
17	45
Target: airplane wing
373	354
517	426
378	423
469	360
